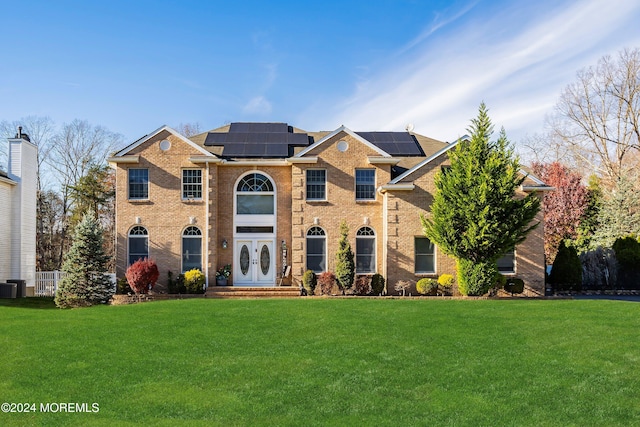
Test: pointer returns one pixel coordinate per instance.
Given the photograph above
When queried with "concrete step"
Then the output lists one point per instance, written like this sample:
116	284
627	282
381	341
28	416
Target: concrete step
252	292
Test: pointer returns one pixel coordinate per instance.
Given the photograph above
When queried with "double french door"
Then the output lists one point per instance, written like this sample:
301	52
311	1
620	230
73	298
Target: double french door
254	262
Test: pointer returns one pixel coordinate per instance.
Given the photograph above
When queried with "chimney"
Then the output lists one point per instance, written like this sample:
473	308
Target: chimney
21	135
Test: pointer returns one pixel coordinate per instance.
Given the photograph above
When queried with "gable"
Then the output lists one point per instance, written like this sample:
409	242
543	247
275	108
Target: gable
135	147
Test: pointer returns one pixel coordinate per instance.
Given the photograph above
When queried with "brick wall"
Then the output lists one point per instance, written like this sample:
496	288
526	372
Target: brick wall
341	204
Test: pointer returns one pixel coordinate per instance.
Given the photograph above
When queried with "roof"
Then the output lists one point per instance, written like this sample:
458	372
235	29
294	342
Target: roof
256	140
145	138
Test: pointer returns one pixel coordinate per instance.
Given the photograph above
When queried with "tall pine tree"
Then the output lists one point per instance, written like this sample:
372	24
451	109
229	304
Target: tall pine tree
475	216
345	264
85	283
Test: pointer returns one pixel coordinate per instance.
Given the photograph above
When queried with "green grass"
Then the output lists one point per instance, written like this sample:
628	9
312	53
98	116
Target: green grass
325	362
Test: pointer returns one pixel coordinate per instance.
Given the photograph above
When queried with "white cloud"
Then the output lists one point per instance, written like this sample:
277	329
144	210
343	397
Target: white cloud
517	64
257	105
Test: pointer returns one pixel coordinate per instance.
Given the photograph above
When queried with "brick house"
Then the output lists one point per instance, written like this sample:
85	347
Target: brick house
264	196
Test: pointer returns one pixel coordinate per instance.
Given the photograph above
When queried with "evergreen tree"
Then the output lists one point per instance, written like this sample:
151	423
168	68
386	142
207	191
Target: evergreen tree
345	264
589	222
85	283
566	273
475	216
619	214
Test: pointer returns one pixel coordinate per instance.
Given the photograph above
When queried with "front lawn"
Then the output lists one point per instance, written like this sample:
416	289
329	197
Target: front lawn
325	362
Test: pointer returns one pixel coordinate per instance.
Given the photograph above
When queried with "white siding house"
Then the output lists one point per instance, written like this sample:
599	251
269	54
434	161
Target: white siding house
18	191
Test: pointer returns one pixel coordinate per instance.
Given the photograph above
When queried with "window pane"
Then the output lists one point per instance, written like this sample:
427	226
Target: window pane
506	263
365	255
138	248
191	253
255	204
138	183
316	184
192	184
316	260
365	184
424	255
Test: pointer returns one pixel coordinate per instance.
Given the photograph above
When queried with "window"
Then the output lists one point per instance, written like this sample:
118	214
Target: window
365	251
365	184
192	183
254	195
138	244
425	260
507	263
316	184
138	183
191	249
316	250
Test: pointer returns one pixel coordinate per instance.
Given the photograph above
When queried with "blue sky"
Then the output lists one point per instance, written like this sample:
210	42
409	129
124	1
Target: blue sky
133	66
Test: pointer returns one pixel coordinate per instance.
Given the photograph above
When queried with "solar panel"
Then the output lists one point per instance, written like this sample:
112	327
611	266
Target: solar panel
394	143
257	140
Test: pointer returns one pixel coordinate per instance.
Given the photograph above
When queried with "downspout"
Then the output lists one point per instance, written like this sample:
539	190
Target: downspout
206	230
385	238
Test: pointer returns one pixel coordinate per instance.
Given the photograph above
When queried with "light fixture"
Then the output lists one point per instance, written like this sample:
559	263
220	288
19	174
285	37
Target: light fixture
224	244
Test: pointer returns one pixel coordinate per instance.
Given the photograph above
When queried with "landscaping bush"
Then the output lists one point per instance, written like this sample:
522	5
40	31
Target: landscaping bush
599	269
476	278
402	286
446	282
326	280
176	286
426	286
514	285
627	250
194	281
309	282
377	284
345	264
142	275
363	285
566	273
122	286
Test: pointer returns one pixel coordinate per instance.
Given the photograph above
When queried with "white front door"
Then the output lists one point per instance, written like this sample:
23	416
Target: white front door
254	262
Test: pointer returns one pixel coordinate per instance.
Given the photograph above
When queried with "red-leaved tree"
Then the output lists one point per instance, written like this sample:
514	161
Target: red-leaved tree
563	208
142	275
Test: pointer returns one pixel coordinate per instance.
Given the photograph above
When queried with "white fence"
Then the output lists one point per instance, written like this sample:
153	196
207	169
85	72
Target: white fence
47	282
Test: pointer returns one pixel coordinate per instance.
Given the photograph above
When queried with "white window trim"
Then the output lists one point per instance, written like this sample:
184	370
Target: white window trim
355	186
326	179
373	237
182	237
515	266
138	199
306	249
136	236
182	183
435	258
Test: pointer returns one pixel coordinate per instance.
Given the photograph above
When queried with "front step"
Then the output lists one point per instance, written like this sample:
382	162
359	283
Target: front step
252	292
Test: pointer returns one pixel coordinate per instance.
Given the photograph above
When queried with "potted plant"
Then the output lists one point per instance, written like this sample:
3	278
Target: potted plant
222	275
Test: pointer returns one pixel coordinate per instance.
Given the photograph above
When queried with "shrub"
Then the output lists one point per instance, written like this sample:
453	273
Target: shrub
345	264
326	281
566	273
142	275
476	278
194	281
176	286
402	286
363	285
446	282
309	282
122	286
514	285
599	269
377	284
426	286
627	250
